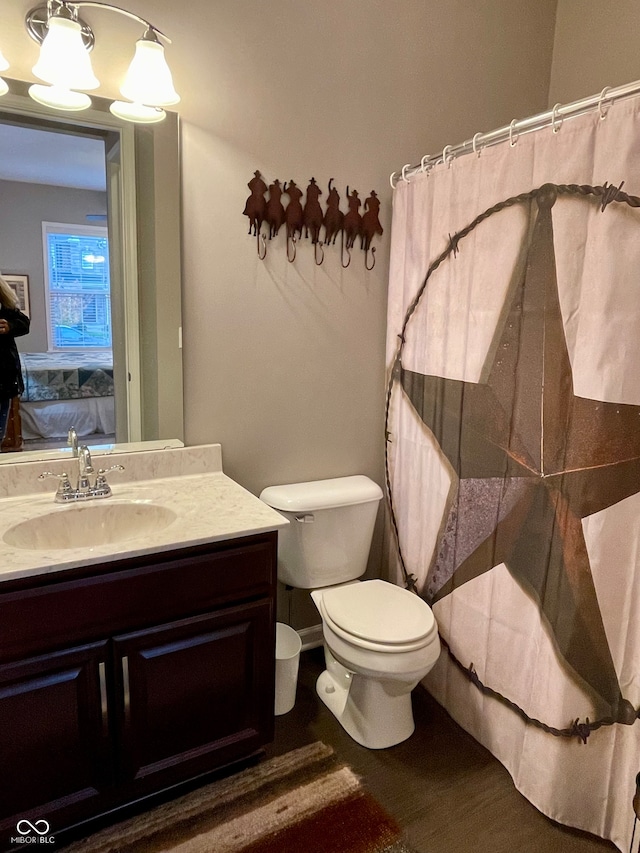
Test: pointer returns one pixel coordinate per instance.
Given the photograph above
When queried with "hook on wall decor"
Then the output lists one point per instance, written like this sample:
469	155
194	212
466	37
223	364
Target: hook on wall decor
312	214
333	219
291	247
293	215
371	221
261	243
373	258
275	209
310	218
352	220
256	206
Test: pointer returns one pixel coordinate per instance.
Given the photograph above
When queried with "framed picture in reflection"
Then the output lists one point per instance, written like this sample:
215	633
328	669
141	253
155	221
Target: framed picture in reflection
20	285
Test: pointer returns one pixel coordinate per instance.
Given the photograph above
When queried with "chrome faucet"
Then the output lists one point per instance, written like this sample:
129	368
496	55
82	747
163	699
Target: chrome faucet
85	490
85	469
72	440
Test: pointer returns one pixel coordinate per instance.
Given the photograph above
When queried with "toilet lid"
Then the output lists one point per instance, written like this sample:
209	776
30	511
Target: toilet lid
379	611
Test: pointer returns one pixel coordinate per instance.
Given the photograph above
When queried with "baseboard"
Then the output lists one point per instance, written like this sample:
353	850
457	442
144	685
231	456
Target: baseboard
311	637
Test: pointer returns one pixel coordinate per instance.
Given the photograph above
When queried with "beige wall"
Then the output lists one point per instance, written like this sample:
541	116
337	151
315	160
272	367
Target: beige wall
285	363
596	45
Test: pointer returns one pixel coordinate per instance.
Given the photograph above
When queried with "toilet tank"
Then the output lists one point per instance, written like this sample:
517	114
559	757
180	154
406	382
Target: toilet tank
329	535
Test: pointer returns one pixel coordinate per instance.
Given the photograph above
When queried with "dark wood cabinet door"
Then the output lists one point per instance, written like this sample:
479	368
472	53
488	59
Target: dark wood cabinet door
54	736
120	681
194	694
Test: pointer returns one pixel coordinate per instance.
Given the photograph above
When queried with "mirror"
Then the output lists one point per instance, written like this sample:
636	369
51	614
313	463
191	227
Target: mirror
141	210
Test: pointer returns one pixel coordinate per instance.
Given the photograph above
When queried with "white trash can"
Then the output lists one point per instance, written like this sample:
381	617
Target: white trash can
288	647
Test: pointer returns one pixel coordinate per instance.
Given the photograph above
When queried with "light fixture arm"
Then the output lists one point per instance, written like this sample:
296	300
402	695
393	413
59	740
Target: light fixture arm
37	19
131	15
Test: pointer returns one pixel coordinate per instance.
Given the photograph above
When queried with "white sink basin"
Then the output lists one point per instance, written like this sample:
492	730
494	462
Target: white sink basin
89	525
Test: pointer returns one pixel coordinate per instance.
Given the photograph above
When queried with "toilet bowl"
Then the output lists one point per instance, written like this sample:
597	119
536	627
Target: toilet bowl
379	640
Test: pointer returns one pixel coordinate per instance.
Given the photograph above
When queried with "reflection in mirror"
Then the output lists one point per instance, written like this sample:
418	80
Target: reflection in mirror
89	229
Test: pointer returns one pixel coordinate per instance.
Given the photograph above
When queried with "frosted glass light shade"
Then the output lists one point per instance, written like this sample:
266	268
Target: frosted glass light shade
148	79
4	88
59	98
3	62
64	61
138	113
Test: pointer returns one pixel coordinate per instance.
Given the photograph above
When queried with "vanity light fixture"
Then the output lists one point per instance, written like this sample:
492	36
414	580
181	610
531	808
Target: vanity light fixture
65	65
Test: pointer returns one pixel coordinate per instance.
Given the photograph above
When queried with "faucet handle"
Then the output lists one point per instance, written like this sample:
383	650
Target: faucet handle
102	488
64	492
103	471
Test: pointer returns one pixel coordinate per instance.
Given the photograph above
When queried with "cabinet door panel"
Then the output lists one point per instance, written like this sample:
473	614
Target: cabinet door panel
195	687
53	732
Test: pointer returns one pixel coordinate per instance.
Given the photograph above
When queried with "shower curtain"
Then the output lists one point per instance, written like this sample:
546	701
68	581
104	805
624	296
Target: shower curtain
513	451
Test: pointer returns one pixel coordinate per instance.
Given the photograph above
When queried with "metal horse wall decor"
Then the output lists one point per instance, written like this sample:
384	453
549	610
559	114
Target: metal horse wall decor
309	218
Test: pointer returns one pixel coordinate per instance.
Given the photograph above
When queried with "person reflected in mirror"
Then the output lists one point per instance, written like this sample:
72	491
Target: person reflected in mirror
13	324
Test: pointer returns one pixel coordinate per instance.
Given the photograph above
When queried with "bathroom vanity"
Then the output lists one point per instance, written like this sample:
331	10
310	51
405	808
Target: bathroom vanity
133	666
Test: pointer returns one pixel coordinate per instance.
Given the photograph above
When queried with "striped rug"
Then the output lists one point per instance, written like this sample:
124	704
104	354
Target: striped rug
306	801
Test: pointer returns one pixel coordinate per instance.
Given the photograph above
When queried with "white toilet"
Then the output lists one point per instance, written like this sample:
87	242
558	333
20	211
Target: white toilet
380	640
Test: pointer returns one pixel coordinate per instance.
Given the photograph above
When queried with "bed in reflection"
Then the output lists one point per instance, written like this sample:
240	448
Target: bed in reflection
64	389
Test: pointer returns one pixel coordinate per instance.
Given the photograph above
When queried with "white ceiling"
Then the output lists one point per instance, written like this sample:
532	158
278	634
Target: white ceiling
46	157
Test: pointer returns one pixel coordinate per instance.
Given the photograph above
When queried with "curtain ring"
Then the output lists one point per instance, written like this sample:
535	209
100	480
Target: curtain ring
445	154
474	143
423	165
603	95
404	169
555	127
513	139
392	177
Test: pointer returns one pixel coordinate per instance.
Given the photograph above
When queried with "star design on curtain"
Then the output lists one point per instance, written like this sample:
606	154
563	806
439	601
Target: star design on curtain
532	460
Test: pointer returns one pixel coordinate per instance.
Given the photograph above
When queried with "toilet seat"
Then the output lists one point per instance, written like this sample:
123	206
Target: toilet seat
379	616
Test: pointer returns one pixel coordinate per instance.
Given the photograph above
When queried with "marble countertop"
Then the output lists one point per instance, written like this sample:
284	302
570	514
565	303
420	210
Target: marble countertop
209	507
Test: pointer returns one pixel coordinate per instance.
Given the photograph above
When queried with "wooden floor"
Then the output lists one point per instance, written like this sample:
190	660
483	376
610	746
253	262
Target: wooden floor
447	792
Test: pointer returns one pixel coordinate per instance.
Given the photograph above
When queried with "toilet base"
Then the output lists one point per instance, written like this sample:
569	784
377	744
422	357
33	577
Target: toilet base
368	709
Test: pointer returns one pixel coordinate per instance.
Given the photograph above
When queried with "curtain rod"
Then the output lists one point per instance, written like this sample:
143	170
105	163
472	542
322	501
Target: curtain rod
553	118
